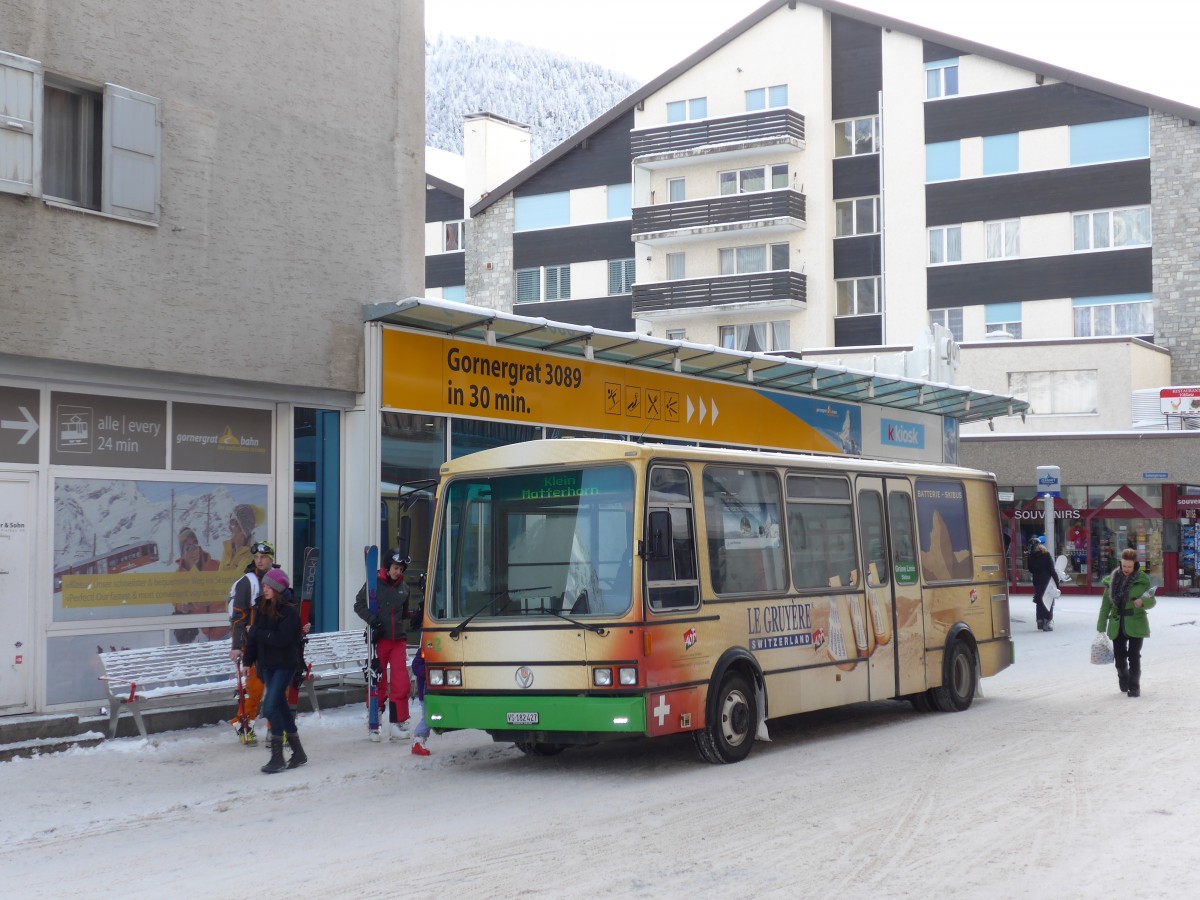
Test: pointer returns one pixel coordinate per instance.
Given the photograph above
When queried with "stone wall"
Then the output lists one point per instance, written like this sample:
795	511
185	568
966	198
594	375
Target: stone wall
489	256
1175	185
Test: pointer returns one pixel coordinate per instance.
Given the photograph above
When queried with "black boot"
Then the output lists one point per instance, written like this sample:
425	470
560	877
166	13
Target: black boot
1123	679
299	757
275	763
1135	679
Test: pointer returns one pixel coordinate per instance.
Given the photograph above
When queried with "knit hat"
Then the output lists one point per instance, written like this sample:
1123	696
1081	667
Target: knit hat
277	579
243	514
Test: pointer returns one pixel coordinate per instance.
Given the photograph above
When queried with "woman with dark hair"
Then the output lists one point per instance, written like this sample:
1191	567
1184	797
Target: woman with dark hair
274	642
1127	596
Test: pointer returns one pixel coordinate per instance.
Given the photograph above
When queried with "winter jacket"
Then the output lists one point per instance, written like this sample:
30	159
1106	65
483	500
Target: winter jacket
278	643
1137	623
242	598
1041	568
391	608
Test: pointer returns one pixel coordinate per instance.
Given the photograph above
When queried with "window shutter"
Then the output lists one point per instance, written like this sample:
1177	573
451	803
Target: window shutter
20	125
528	285
132	154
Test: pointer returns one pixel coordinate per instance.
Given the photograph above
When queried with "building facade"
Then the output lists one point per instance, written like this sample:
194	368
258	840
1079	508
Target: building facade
185	251
824	180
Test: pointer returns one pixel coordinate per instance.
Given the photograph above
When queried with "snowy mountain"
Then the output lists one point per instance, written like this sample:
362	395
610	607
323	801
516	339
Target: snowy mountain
553	94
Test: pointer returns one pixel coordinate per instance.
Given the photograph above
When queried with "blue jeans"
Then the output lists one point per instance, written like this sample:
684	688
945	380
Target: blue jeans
275	706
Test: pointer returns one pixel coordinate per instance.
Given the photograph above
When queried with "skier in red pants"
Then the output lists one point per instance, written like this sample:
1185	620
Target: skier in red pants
389	627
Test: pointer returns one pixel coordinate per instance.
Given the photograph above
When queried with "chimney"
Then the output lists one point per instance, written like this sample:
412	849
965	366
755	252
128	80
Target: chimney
495	149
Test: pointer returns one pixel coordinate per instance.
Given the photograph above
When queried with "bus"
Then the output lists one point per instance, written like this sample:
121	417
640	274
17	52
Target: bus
581	591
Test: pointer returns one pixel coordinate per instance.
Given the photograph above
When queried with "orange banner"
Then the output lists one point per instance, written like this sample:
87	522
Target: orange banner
446	376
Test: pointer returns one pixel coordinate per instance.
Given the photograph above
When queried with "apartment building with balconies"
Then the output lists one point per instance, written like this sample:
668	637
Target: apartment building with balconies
824	180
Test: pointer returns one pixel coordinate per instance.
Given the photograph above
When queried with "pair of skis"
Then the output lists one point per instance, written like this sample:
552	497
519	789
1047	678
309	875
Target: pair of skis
371	671
308	586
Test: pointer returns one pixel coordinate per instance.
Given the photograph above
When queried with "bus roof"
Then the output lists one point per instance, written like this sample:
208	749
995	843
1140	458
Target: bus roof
537	454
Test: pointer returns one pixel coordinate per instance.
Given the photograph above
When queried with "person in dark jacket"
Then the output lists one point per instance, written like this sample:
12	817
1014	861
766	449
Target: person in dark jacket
1041	569
274	642
389	629
1127	596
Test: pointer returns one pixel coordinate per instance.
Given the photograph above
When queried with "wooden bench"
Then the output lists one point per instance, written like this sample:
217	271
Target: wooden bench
156	677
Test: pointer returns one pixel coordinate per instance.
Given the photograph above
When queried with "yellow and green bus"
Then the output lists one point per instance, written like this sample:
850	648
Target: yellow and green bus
586	590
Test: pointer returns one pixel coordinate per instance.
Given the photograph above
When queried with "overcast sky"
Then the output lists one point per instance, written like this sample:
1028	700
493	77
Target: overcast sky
1150	45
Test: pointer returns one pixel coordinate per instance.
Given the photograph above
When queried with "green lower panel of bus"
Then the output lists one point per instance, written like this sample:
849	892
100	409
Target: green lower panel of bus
528	712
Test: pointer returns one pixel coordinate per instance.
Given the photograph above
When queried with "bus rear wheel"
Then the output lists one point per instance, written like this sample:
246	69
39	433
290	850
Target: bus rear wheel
958	688
729	734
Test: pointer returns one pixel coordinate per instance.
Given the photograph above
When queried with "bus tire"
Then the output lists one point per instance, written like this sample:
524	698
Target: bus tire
921	702
729	734
539	748
958	685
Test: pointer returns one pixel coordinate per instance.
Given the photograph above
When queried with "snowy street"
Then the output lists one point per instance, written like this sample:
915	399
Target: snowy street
1053	784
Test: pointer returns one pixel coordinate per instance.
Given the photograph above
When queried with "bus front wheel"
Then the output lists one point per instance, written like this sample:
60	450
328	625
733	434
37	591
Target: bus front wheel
729	734
958	688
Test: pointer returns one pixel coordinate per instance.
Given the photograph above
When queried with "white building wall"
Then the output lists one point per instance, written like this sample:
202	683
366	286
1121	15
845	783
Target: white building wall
905	241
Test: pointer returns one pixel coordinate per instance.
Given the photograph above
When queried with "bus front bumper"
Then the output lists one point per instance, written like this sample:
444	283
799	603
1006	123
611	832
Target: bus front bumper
530	712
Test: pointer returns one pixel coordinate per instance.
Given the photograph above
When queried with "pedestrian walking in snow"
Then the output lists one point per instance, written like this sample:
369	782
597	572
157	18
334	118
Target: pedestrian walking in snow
1041	569
389	628
243	597
275	644
1127	596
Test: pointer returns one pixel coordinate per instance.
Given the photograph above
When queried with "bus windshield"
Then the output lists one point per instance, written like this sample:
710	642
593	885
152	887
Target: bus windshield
549	543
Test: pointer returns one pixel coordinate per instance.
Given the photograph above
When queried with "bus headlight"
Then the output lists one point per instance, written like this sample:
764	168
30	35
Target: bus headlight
437	677
602	677
454	677
627	676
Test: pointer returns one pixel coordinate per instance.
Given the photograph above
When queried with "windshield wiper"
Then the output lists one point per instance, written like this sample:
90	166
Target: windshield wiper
595	629
508	599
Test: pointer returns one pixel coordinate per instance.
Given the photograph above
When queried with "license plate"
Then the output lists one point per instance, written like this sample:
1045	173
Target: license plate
523	718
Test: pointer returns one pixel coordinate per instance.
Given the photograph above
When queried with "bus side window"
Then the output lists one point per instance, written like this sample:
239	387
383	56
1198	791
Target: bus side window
871	536
670	551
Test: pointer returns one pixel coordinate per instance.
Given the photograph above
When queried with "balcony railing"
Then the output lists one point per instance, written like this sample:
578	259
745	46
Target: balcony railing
782	125
727	210
697	294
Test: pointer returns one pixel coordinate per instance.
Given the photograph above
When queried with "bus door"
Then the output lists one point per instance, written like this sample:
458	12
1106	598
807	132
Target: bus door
887	534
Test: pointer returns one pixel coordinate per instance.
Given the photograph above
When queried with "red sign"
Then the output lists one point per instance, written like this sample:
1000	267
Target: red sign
1182	401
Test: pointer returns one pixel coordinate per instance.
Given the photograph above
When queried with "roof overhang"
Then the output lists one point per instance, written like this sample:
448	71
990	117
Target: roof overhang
787	374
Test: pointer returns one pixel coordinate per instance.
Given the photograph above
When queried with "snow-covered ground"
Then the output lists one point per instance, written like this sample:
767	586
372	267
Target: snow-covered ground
1052	785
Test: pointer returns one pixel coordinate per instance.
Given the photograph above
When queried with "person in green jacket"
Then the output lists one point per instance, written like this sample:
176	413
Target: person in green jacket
1127	596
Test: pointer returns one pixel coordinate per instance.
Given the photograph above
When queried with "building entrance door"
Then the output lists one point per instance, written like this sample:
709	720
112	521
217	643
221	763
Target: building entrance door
17	527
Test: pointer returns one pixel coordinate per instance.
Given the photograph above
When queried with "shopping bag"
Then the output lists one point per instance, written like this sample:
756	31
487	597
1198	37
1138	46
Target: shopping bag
1102	651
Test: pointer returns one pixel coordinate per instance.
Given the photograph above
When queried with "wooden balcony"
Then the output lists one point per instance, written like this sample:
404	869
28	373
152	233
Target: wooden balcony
715	211
783	288
783	126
